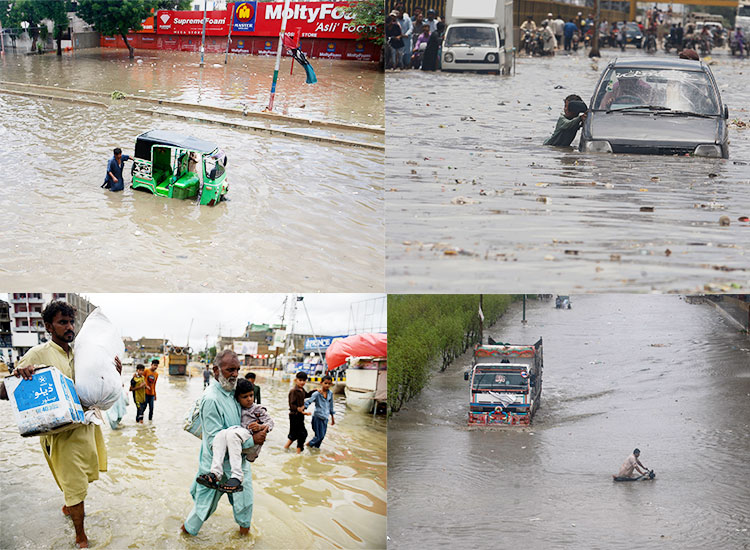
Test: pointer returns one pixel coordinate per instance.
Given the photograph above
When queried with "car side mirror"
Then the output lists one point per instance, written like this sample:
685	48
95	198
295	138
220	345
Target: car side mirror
466	375
726	112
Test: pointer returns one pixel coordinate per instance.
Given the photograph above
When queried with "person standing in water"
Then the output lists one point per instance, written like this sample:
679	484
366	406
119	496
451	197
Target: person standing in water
632	463
75	456
114	180
323	399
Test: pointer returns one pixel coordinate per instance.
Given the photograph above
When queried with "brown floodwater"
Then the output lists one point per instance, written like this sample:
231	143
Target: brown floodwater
298	212
467	174
620	371
331	499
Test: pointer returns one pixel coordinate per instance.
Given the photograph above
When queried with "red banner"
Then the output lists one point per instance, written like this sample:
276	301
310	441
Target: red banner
148	25
191	22
314	19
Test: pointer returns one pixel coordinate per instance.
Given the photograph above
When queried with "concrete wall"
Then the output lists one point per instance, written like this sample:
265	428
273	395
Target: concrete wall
84	40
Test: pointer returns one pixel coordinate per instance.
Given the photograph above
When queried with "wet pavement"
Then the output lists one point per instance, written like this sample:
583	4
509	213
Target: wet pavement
621	371
471	192
334	498
294	208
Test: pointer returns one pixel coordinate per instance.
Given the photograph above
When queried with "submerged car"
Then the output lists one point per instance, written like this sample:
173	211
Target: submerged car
173	165
657	106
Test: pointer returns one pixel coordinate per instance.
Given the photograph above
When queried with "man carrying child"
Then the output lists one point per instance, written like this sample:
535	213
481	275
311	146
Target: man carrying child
254	419
220	410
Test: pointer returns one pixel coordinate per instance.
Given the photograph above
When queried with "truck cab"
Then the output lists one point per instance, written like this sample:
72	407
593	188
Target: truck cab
475	37
505	384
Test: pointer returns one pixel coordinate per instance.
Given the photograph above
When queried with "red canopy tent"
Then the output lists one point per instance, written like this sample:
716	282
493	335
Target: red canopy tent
357	345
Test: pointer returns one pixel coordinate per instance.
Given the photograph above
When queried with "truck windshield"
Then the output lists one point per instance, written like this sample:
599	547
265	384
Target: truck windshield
669	90
474	37
498	381
744	11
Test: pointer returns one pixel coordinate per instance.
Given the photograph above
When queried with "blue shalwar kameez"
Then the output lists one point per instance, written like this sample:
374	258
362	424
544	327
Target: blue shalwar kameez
219	410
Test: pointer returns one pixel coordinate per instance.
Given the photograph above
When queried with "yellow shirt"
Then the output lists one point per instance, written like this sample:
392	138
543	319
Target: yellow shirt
75	456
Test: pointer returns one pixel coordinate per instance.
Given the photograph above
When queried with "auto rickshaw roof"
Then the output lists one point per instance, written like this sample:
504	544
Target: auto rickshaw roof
145	141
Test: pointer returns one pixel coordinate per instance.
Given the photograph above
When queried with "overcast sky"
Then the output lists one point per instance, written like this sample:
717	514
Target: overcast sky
169	315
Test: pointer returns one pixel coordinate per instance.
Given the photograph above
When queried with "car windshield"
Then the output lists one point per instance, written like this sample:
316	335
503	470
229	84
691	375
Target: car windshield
475	37
660	90
498	381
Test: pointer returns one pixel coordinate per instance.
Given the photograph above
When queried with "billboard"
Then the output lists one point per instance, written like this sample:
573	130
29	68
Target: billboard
191	22
313	19
245	348
321	343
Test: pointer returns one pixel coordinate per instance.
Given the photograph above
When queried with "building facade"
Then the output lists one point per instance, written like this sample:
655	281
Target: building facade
25	317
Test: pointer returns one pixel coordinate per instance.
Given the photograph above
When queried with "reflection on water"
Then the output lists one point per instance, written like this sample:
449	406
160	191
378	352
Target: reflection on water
334	498
542	216
620	372
295	207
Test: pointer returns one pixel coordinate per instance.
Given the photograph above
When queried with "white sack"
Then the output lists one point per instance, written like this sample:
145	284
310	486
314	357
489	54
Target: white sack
97	381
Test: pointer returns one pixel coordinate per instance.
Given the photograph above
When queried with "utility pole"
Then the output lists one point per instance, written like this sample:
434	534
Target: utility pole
229	37
481	320
278	54
523	321
595	42
276	355
203	38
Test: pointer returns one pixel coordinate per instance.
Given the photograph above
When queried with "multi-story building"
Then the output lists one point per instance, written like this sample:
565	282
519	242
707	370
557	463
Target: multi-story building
264	334
6	342
26	324
144	348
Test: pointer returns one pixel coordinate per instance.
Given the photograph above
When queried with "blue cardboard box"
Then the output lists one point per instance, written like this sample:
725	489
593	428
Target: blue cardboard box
46	402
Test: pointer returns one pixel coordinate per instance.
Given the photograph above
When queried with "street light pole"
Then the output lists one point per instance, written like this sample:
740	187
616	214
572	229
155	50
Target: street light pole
595	42
278	54
203	37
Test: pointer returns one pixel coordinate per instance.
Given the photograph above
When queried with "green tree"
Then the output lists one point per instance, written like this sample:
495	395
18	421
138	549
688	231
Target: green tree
23	11
371	15
116	18
57	12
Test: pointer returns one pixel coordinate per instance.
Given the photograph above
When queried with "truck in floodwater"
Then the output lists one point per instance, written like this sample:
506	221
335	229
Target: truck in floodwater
505	384
477	37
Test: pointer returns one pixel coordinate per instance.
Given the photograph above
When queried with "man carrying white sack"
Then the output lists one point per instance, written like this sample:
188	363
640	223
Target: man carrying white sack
75	456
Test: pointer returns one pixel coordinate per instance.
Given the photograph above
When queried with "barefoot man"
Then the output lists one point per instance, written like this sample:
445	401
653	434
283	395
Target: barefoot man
220	410
75	455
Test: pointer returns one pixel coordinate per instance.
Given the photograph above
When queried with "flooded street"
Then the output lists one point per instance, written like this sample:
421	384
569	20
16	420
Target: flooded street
473	193
334	498
652	372
295	207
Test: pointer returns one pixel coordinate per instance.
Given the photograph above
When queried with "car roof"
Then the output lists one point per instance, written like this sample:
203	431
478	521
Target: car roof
173	139
652	63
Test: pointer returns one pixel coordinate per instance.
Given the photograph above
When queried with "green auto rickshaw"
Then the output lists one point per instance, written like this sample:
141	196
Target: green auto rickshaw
172	165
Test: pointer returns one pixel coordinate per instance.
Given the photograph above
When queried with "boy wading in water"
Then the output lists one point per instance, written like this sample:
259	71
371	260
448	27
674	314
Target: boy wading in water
569	122
323	399
138	387
254	419
297	430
